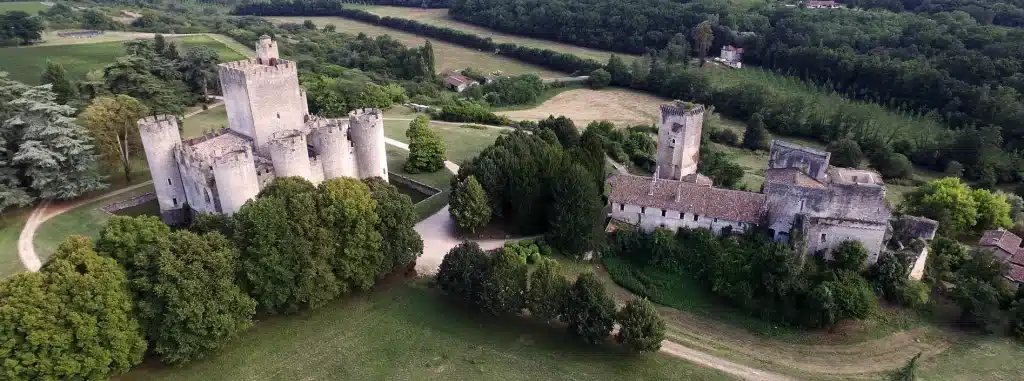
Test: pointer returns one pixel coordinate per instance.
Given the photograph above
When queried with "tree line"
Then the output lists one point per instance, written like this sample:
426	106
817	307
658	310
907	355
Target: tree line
1006	13
95	309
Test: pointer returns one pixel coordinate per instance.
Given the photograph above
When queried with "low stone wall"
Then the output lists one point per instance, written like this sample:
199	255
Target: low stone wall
125	204
418	186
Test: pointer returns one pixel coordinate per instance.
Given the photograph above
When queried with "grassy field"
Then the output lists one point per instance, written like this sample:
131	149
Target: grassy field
620	106
25	64
30	7
210	120
86	220
408	332
461	143
439	17
10	228
448	56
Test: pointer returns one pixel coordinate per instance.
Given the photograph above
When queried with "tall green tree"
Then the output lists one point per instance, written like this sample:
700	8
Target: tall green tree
72	320
55	75
199	69
588	310
505	285
113	123
564	128
993	210
703	36
429	60
642	328
850	255
756	136
546	294
349	214
948	201
463	273
56	154
13	192
469	205
845	153
677	50
20	28
577	213
426	148
399	241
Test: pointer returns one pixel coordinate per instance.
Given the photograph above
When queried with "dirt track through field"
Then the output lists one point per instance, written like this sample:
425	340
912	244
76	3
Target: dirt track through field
584	106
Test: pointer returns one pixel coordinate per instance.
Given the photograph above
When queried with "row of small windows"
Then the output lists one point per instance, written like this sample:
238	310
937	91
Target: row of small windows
664	213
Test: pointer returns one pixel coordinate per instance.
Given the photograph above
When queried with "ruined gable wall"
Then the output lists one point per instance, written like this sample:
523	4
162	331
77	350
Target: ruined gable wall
827	234
236	100
783	155
784	202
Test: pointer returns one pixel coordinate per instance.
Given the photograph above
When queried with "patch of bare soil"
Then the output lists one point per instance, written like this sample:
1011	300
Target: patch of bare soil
583	106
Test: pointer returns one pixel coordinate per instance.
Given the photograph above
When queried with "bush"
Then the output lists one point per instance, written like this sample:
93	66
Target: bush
642	329
588	310
725	136
463	273
846	153
505	285
546	295
469	112
599	78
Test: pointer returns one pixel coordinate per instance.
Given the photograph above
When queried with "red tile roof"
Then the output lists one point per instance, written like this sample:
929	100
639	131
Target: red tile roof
1001	239
687	197
456	79
1015	273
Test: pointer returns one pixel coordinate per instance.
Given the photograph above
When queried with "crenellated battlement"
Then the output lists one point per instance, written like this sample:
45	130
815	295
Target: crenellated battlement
680	108
235	159
158	123
288	139
252	70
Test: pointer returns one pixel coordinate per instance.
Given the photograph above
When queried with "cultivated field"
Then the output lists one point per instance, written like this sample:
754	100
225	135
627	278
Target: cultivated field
25	64
439	17
408	332
448	56
30	7
620	106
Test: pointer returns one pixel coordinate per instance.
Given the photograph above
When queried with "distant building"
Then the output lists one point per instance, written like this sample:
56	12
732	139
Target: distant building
458	82
1006	246
823	4
731	56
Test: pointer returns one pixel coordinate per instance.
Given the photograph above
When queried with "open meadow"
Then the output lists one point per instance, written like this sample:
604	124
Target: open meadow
30	7
439	17
620	106
447	56
25	64
409	332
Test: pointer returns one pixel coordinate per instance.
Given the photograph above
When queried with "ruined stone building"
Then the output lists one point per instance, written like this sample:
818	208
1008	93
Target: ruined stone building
801	194
1006	246
270	134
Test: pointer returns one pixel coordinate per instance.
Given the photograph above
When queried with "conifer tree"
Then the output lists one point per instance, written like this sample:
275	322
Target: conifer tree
426	148
12	192
55	75
429	60
756	136
577	213
642	328
469	205
54	152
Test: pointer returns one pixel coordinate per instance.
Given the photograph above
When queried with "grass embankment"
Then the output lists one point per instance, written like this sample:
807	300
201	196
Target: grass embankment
30	7
448	56
85	220
408	332
439	17
26	64
11	224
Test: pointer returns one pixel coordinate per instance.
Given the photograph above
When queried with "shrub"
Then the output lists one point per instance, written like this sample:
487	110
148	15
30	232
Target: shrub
588	310
642	329
846	153
725	136
545	296
599	78
505	284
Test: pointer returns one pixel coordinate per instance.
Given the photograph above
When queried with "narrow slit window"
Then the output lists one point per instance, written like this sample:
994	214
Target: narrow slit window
696	217
663	212
823	237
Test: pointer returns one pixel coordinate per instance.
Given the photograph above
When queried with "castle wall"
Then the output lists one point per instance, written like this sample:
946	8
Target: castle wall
784	202
316	171
650	218
160	140
821	234
289	154
262	100
330	140
786	155
366	129
236	101
197	177
679	139
237	181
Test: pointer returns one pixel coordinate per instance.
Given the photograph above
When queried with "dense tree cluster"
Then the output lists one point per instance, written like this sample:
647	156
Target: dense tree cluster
536	185
508	91
19	28
500	283
957	207
773	283
988	12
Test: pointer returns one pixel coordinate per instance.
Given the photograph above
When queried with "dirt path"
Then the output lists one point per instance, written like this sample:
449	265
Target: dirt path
702	358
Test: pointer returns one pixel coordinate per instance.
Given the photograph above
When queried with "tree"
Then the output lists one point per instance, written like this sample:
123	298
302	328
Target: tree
576	215
907	372
889	276
54	152
588	310
428	59
546	293
599	78
846	153
619	72
199	69
72	320
948	201
853	296
349	214
703	35
944	259
505	284
56	76
850	255
159	43
993	210
151	79
642	328
756	136
426	148
469	205
12	191
20	27
400	243
113	122
463	273
677	50
979	304
894	166
564	128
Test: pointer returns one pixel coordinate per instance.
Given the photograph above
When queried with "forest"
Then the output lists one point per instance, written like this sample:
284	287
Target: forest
1006	13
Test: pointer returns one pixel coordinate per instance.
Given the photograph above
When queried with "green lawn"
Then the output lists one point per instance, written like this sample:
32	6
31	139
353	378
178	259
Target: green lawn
440	180
25	64
30	7
408	332
10	228
461	143
86	220
448	56
439	17
210	120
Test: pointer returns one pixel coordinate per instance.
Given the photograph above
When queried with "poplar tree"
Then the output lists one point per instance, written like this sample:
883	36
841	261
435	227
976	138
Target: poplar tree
429	60
576	214
56	154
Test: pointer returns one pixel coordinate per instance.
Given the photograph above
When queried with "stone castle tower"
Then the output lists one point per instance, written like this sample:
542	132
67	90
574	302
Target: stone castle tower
679	139
270	134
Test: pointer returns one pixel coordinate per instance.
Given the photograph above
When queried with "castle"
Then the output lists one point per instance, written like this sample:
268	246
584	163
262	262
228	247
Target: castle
801	193
270	134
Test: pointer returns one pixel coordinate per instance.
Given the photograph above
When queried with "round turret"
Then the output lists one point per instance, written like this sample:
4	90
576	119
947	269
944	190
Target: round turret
237	182
335	151
289	154
160	140
366	129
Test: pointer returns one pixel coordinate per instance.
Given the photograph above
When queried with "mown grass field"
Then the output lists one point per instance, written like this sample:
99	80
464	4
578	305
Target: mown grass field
461	143
408	332
439	17
212	119
25	64
85	220
447	56
30	7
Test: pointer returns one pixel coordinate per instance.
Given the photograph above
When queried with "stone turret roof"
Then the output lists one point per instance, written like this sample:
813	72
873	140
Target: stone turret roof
687	197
